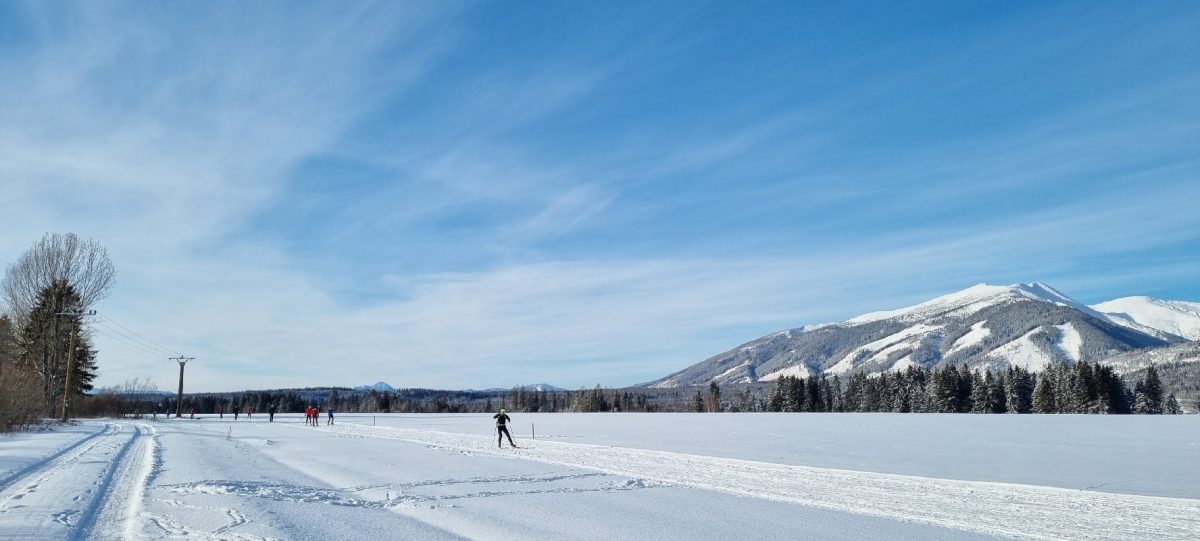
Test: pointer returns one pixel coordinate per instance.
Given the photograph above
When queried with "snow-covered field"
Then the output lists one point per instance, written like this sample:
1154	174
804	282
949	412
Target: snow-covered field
608	476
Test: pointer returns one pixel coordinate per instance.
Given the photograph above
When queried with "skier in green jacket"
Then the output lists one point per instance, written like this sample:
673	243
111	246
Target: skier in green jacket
502	420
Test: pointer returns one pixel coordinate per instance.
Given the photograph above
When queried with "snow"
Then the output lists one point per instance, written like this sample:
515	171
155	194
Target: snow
669	383
903	364
1069	341
970	296
731	370
1180	318
1023	352
796	370
976	298
976	335
605	476
880	349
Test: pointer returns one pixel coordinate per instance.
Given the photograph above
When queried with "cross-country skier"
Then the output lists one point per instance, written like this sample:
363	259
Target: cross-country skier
502	420
271	412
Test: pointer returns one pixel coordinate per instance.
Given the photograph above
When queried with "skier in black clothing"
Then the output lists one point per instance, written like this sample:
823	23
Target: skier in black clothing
271	412
502	428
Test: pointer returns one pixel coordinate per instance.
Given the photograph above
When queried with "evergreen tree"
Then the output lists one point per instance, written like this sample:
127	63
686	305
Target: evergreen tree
945	390
812	395
698	403
714	396
996	400
1043	394
825	391
1148	396
775	398
793	394
1018	390
1084	393
1171	406
980	393
965	383
45	343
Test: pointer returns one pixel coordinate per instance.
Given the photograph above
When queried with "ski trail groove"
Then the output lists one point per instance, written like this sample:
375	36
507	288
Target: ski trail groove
110	494
38	465
84	491
1001	509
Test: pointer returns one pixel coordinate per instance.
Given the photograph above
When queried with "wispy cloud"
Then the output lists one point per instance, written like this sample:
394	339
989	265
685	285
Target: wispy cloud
400	192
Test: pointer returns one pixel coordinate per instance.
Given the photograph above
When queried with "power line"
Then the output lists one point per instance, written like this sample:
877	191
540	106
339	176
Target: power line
137	367
133	345
143	338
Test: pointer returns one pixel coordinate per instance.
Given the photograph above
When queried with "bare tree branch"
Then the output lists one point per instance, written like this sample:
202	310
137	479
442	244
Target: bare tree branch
83	264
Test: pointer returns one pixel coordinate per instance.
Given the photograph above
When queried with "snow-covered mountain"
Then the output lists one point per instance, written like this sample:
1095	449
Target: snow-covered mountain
1179	318
379	386
1028	325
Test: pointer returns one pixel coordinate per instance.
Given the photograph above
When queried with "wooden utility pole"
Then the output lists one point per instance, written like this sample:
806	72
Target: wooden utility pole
70	358
179	396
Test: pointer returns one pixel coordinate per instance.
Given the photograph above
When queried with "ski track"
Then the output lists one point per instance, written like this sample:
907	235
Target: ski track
91	489
1000	509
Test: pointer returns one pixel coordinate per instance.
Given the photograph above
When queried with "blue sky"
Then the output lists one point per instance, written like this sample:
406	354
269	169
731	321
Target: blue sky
470	195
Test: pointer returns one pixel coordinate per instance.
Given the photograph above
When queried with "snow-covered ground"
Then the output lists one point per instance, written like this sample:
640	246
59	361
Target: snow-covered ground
608	476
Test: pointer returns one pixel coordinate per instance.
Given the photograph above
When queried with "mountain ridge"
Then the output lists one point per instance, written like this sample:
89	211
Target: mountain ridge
1031	325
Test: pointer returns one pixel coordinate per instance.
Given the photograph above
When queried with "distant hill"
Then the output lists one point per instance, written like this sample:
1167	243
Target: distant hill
538	387
1029	325
378	386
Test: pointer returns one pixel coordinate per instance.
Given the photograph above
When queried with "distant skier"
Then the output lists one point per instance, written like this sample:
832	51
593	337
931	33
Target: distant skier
330	421
221	411
249	412
192	413
271	412
236	410
502	420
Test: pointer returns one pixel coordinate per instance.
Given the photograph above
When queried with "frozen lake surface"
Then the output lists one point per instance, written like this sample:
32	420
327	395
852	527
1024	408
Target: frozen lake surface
605	476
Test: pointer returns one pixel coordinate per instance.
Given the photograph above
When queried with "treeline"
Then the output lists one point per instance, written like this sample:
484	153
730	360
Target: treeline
1080	388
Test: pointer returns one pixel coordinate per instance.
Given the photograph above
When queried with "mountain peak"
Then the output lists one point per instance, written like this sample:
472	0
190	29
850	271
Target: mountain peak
977	297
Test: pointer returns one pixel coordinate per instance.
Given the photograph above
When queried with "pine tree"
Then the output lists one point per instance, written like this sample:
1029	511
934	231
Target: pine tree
965	387
1171	406
1043	394
775	398
714	396
1084	393
996	400
981	397
944	390
1148	395
793	395
1018	390
45	342
698	403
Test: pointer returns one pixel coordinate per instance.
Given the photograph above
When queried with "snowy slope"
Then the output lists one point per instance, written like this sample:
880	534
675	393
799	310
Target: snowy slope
1180	318
1029	325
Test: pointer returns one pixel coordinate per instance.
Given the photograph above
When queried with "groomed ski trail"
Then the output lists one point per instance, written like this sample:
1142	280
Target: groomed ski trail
1001	509
91	489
